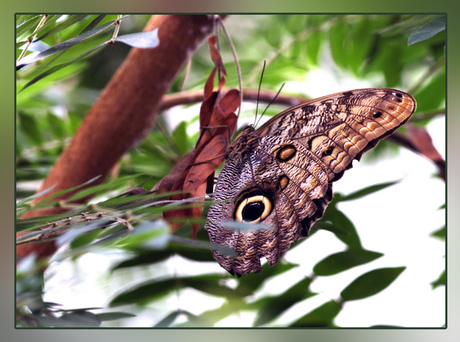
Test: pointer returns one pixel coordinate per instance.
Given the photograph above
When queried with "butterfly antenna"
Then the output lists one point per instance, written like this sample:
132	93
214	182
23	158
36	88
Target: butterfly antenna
258	92
273	100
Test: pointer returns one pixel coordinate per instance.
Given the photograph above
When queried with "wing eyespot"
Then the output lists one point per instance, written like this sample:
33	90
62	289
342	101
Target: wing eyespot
253	209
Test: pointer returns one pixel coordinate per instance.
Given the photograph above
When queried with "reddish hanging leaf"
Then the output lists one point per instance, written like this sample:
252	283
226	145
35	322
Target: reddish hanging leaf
167	183
194	173
215	55
423	142
209	85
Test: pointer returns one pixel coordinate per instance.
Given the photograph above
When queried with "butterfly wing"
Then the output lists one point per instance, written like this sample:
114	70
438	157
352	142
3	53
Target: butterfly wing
281	174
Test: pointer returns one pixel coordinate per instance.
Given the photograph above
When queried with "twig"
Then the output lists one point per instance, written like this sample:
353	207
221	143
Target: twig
30	40
192	97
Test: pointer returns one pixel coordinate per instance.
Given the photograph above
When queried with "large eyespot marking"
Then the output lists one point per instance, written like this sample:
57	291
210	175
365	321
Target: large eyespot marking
285	153
253	208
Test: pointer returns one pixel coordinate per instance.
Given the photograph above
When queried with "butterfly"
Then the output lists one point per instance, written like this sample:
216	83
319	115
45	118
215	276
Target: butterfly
280	176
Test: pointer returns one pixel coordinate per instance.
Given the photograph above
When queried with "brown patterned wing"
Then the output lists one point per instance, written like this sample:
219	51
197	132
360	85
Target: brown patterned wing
281	174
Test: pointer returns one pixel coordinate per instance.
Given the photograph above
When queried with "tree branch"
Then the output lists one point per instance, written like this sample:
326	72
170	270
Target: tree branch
124	112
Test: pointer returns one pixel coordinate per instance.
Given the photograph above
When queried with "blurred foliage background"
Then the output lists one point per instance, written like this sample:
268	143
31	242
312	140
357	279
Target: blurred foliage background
152	273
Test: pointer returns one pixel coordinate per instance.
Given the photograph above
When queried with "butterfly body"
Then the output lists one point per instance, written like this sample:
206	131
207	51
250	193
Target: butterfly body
281	174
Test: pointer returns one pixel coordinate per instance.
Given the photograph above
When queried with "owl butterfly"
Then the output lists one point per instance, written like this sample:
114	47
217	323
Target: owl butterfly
281	174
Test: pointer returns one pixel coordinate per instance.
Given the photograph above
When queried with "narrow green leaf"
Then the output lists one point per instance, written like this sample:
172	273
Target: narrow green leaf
148	39
168	320
272	307
428	30
145	258
64	45
84	239
62	192
322	316
114	184
79	319
343	261
210	284
70	320
38	194
72	19
145	292
79	230
366	191
61	66
371	283
153	290
111	316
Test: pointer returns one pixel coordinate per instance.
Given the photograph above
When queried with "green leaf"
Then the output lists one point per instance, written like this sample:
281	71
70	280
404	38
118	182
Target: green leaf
392	63
440	233
441	281
153	290
347	233
314	43
253	281
29	125
338	39
149	234
343	261
148	39
366	191
371	283
432	95
322	316
57	126
362	40
180	138
271	307
84	239
145	292
427	31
